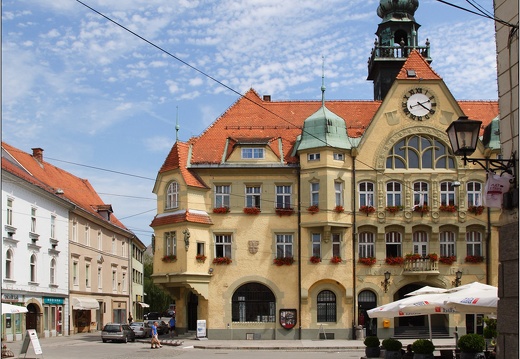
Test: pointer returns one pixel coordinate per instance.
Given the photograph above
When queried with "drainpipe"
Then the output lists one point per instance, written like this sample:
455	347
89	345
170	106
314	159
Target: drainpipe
354	231
299	256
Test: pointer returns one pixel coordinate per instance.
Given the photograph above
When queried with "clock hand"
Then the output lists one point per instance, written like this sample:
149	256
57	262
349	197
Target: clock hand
421	104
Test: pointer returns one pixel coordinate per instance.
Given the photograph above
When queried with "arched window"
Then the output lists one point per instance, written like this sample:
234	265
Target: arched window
9	264
420	152
32	269
53	271
253	302
172	195
366	245
326	302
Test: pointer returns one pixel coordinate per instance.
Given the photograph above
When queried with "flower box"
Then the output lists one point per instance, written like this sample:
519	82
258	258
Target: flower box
421	209
251	210
477	210
448	208
339	209
448	259
413	257
221	260
433	257
280	261
368	261
336	259
393	209
315	259
200	258
474	259
221	210
313	209
394	261
367	209
169	258
284	211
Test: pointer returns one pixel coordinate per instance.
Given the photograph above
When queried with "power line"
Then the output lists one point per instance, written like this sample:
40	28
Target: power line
479	13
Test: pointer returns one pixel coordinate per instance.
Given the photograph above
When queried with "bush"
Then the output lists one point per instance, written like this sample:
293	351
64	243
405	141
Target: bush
423	346
391	344
471	343
372	342
490	330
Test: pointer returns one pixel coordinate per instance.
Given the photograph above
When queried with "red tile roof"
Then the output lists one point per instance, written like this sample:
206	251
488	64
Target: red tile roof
76	190
177	159
416	62
179	217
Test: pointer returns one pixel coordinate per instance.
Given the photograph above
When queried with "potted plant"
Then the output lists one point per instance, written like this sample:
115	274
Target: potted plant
251	210
169	258
474	259
421	209
335	259
471	346
280	261
394	261
200	258
222	260
372	349
315	259
367	209
339	209
448	259
221	210
392	348
284	211
448	208
393	209
490	331
477	210
413	257
368	261
433	257
423	349
313	209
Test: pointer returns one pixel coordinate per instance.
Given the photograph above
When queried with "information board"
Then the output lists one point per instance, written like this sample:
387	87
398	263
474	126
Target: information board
201	328
31	337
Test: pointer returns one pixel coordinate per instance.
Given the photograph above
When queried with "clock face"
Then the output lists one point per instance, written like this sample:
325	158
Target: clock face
419	104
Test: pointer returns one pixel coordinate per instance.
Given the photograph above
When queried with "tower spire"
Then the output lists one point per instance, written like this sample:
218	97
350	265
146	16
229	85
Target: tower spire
322	80
177	127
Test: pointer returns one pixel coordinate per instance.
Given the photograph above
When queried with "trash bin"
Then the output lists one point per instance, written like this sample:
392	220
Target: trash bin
360	335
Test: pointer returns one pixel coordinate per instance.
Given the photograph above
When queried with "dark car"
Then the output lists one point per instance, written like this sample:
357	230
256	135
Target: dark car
117	332
162	327
141	329
152	316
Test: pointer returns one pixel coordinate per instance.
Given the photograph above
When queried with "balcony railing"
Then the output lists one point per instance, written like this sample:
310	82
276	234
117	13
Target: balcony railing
396	52
421	265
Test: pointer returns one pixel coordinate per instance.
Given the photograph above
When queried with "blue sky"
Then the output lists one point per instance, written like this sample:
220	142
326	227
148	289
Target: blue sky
95	96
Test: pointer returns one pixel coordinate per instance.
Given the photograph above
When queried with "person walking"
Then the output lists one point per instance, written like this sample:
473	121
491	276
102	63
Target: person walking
155	343
171	323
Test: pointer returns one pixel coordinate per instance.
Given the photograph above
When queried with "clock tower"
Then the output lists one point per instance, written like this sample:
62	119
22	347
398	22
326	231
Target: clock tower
396	38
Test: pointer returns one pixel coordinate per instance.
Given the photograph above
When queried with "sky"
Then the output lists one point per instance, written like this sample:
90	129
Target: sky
103	102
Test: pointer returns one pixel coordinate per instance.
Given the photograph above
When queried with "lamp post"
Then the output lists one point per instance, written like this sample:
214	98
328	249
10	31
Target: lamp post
386	282
458	276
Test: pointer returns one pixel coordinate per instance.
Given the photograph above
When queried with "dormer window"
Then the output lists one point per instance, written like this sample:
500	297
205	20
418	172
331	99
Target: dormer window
313	157
172	195
253	153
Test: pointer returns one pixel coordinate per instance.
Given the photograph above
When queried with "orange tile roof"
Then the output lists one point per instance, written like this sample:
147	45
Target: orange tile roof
484	111
416	62
76	190
177	159
180	217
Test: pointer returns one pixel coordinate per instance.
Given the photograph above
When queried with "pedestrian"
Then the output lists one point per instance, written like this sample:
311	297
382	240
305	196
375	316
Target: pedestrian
155	343
409	353
130	319
171	323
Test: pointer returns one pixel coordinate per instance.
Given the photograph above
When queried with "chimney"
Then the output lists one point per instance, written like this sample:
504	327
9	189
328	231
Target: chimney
267	98
38	154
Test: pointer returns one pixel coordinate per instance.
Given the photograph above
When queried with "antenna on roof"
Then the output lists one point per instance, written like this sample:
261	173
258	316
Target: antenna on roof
177	127
322	80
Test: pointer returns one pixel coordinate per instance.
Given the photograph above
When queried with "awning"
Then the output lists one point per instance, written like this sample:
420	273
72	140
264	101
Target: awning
144	305
84	303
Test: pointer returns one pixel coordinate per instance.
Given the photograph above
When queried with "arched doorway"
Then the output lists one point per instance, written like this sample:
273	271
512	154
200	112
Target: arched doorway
367	300
32	318
193	302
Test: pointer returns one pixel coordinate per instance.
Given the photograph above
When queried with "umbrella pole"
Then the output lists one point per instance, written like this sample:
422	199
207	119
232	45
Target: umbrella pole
430	326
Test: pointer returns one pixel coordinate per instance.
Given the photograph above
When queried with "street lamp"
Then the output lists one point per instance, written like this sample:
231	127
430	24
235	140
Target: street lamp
386	282
458	276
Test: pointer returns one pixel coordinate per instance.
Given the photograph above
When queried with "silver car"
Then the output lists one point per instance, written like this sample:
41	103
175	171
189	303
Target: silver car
117	332
141	329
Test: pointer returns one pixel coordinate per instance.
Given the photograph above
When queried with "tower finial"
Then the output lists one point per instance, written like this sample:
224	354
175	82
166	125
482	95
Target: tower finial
177	127
322	80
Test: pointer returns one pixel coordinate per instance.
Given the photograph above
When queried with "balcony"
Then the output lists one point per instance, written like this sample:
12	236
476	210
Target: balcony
420	266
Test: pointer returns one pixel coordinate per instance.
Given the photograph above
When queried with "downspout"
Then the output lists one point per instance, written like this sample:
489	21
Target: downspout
488	234
299	256
354	231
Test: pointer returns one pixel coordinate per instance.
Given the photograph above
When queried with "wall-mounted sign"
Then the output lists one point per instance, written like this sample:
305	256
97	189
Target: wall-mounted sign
51	300
10	297
288	318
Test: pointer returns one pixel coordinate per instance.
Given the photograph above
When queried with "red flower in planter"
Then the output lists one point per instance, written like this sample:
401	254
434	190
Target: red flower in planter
339	209
421	209
221	260
251	210
474	259
448	208
448	259
368	261
367	209
394	260
393	209
280	261
200	258
433	257
336	259
413	256
476	209
221	210
169	258
315	259
284	211
313	209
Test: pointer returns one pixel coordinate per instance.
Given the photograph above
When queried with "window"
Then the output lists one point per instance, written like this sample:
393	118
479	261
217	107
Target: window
172	195
420	193
9	207
447	194
123	281
53	226
33	220
99	278
315	194
313	157
447	243
326	306
75	273
474	192
366	194
336	244
87	235
114	280
253	196
393	244
474	243
223	245
338	193
420	243
366	245
222	196
33	269
114	245
100	240
252	153
53	271
75	231
316	245
283	196
284	245
338	156
200	249
420	152
9	264
393	194
253	302
170	243
87	275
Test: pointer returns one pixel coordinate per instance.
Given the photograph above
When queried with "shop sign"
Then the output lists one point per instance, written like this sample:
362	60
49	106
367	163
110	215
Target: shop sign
51	300
10	297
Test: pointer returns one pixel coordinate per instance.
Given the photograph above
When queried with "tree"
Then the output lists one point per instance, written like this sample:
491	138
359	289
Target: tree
156	297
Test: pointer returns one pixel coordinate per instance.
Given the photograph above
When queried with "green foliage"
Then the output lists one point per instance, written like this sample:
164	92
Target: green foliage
392	344
372	341
490	330
471	343
155	296
423	346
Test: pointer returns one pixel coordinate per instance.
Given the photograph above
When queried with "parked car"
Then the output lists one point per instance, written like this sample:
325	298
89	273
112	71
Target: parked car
141	329
162	327
170	313
152	316
117	332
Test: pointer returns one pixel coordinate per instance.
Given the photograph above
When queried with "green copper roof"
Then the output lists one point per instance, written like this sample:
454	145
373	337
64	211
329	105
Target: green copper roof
491	136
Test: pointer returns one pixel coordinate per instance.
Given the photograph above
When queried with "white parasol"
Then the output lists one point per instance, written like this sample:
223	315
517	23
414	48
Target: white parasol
9	308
